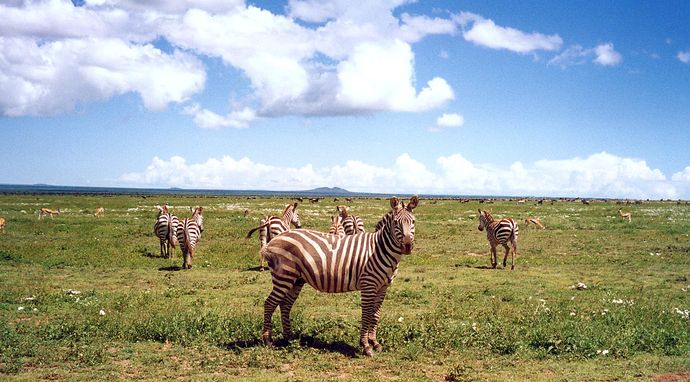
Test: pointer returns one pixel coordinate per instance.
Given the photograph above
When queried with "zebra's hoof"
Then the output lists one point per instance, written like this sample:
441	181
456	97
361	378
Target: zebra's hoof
368	351
268	341
378	347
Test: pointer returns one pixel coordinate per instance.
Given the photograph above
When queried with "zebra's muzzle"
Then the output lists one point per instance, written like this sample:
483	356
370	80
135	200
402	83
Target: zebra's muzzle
407	248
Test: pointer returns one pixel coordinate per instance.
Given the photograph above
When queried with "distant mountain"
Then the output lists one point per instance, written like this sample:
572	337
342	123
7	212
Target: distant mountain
328	191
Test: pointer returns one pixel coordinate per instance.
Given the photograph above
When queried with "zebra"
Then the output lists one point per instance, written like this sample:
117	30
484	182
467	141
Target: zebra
352	224
272	226
367	262
502	232
188	234
165	229
337	227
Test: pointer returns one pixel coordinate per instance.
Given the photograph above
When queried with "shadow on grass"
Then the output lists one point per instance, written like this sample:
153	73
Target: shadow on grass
257	269
171	268
304	341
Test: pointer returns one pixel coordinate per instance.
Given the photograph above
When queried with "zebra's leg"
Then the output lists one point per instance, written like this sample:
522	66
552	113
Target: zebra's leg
505	256
368	301
494	260
190	254
377	317
274	298
286	307
263	237
162	248
514	254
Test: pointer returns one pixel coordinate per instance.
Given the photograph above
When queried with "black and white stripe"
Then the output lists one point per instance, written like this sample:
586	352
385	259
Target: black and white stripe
165	229
272	226
504	232
352	224
188	234
333	264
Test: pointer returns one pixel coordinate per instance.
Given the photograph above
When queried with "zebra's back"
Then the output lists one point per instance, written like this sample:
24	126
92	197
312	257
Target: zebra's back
328	263
503	231
188	234
165	226
353	225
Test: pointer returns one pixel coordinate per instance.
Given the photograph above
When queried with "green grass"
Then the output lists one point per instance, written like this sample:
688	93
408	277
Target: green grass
447	315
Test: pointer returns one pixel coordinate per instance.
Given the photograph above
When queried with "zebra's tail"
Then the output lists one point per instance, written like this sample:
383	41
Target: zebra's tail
251	232
172	235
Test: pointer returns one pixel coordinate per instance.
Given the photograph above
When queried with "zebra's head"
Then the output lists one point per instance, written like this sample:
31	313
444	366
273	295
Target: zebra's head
484	219
402	223
342	211
198	217
291	216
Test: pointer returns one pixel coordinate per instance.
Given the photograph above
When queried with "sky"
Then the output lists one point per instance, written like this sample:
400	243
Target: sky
531	98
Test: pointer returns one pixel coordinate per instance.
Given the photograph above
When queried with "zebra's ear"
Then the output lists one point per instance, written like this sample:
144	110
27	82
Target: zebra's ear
295	205
394	202
413	203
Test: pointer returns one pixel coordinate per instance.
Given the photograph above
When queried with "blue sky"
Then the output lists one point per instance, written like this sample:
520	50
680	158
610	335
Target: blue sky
553	98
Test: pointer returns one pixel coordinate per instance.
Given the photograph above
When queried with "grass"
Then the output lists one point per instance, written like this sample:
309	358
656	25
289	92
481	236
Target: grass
83	297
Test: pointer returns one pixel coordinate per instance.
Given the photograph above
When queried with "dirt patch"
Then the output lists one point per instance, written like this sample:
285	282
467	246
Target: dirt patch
673	377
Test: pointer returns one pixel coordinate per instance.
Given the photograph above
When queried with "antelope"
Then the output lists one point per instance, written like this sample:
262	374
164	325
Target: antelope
625	215
100	211
2	225
534	221
47	211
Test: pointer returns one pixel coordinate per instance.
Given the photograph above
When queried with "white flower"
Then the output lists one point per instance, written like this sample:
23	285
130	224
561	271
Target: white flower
101	312
19	309
573	313
579	286
400	319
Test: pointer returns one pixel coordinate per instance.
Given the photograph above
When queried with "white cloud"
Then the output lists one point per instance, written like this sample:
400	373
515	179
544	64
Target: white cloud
293	68
52	77
485	32
448	120
207	119
684	57
606	55
603	54
682	176
598	175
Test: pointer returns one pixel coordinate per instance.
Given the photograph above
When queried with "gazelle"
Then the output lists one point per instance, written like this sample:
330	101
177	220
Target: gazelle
100	211
47	211
625	215
534	221
2	225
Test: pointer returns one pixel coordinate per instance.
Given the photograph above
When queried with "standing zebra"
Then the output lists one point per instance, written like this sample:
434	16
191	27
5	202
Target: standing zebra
502	232
188	234
367	262
272	226
166	229
337	226
352	224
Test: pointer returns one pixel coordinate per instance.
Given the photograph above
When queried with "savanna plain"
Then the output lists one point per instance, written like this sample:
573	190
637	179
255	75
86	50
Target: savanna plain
593	297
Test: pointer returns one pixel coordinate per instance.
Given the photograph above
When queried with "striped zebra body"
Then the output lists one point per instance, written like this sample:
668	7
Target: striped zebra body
272	226
188	235
503	232
165	229
334	264
352	224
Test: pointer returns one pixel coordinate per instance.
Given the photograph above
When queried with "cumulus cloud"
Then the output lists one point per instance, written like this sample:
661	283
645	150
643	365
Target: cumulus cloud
207	119
485	32
293	68
684	57
52	77
448	120
598	175
602	54
606	55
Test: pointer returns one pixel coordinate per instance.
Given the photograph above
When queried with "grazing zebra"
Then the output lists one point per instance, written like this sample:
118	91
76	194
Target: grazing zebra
100	211
272	226
188	234
47	211
534	221
352	224
502	232
337	226
625	215
166	231
367	262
